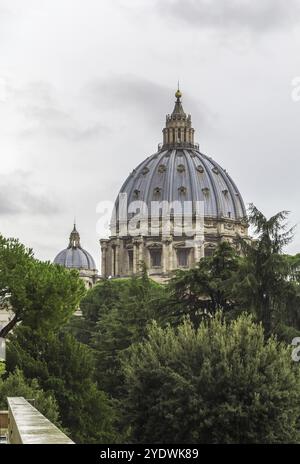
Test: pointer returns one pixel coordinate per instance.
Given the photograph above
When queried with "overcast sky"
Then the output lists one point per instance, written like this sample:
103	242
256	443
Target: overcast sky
85	86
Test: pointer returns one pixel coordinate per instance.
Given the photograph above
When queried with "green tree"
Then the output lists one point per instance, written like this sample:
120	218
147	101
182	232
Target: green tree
65	368
205	289
293	263
220	383
40	294
264	284
116	314
16	385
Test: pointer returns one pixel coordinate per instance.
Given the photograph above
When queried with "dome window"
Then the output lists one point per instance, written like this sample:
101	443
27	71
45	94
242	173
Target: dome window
145	171
225	192
162	168
181	168
136	193
182	190
215	170
205	190
200	168
157	193
133	173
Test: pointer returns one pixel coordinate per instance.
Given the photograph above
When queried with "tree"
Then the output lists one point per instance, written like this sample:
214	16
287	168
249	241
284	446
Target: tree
16	385
117	313
205	289
220	383
65	369
293	263
40	294
264	285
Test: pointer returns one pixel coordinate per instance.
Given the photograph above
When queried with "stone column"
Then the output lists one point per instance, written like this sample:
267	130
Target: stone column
137	254
141	252
113	257
166	254
136	257
198	248
182	134
117	258
103	244
171	253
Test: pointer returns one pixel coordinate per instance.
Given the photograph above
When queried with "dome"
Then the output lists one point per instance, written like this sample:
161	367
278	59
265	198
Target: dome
180	174
173	209
75	257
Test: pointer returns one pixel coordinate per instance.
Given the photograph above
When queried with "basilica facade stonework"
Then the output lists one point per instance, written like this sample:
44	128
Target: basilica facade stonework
173	209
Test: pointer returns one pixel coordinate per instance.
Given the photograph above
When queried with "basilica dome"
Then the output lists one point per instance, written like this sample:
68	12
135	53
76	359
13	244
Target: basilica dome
179	172
156	215
185	174
74	256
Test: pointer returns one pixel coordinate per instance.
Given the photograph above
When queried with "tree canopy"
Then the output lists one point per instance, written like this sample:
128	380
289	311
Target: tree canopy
65	368
198	360
117	313
40	294
220	383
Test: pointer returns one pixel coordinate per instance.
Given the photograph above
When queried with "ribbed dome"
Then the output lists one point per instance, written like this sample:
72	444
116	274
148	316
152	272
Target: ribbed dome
75	257
158	215
185	175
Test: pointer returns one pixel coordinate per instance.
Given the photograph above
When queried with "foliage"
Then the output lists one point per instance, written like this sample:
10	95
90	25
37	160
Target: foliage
65	368
293	263
16	385
205	289
2	368
263	284
39	293
118	312
220	383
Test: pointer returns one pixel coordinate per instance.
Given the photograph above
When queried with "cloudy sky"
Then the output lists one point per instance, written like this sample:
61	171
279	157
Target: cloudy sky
85	86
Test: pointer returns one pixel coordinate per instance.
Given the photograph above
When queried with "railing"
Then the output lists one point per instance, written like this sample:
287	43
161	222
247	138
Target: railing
167	146
26	425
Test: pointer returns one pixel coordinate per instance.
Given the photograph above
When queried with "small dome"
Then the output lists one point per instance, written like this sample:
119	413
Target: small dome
75	257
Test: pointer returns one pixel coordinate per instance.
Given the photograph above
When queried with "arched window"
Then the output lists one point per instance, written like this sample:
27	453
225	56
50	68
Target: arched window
130	260
183	257
155	255
209	251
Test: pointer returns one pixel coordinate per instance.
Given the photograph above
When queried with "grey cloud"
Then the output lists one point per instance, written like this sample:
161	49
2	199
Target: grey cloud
45	115
248	15
143	96
19	195
5	14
